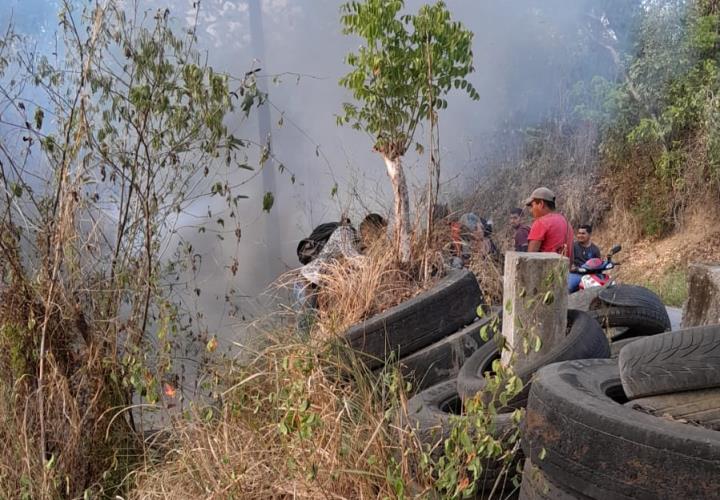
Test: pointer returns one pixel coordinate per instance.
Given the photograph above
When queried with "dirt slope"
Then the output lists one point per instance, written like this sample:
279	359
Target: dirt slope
645	260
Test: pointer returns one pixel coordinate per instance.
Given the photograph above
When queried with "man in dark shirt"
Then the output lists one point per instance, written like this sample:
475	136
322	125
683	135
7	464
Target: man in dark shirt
521	230
583	250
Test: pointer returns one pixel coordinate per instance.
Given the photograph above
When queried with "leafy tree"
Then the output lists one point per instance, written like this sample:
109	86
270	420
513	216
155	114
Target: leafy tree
400	76
107	143
660	120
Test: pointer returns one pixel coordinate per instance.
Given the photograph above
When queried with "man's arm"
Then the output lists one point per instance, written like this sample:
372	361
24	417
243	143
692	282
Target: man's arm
536	236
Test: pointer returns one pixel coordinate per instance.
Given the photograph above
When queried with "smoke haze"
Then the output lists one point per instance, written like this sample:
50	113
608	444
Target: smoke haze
523	57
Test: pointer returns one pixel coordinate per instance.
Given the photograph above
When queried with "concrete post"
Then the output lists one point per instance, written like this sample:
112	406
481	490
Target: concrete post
702	306
535	304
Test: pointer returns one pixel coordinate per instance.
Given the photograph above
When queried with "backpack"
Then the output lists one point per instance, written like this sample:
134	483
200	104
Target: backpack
310	247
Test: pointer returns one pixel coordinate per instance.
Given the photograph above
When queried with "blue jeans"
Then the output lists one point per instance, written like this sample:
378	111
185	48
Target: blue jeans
574	282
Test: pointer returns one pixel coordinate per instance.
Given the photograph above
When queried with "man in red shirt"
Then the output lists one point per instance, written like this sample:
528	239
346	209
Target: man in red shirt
550	231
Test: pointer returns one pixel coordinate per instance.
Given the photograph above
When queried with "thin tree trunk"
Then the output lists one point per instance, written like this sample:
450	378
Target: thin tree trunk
402	207
433	166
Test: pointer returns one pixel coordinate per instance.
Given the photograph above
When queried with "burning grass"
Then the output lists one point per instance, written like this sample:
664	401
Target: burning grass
296	422
306	419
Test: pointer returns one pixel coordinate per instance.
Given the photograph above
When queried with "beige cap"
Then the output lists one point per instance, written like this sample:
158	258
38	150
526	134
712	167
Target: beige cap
541	193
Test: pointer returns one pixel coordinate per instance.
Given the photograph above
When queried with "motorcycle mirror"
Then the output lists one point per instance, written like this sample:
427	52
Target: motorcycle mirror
615	249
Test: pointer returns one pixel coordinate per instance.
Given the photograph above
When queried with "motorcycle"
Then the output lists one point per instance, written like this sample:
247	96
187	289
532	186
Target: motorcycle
594	271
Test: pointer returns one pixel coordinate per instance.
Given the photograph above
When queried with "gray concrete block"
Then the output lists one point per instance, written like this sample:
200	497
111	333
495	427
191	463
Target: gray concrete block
535	304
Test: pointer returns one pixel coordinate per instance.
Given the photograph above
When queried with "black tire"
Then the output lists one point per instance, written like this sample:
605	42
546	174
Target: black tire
430	414
617	345
442	360
418	322
537	486
585	339
583	299
693	407
631	306
592	444
683	360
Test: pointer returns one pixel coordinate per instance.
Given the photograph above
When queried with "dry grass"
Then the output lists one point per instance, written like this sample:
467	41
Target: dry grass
358	288
295	423
84	441
661	263
489	275
368	285
306	419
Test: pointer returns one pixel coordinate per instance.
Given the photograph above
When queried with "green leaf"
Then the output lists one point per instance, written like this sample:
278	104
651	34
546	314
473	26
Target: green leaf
283	429
268	201
537	344
514	385
207	417
484	333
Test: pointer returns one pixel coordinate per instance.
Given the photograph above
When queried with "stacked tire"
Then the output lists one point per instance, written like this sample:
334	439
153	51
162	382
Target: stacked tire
645	427
675	375
430	334
581	435
627	312
432	412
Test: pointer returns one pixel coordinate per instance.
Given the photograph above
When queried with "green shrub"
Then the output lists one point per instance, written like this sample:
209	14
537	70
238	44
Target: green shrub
671	287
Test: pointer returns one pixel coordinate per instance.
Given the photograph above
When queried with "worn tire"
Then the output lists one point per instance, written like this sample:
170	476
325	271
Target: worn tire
683	360
631	306
617	345
430	413
585	339
582	300
594	445
418	322
537	486
442	360
694	407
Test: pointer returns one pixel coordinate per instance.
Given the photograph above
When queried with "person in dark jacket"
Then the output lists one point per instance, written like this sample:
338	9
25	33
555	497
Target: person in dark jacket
521	230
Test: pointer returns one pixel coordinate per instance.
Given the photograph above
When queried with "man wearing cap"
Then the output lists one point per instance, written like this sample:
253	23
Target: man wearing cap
550	231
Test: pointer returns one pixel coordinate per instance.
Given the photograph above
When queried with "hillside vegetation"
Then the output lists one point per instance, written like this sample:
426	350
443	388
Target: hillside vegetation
646	141
130	123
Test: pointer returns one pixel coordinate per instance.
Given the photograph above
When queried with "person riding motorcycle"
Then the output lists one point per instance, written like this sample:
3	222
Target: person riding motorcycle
583	250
